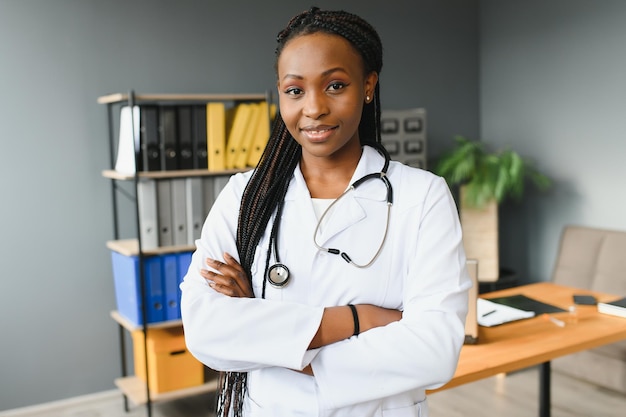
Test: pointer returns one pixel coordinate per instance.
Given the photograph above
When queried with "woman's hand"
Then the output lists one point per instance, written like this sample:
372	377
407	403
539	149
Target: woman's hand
230	278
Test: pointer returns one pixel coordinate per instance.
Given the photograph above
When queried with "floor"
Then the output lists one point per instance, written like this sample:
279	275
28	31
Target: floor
515	395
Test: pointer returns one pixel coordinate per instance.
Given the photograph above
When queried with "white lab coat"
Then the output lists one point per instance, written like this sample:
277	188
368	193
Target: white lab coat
382	372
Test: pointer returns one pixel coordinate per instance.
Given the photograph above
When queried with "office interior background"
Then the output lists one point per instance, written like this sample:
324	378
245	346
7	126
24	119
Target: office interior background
544	77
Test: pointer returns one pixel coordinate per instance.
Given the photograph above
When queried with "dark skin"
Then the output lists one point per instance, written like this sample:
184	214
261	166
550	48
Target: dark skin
322	88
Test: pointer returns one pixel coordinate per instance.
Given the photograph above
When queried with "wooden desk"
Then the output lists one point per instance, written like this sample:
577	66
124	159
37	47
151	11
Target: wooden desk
536	341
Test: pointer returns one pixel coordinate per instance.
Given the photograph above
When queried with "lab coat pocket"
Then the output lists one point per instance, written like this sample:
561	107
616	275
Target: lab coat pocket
419	409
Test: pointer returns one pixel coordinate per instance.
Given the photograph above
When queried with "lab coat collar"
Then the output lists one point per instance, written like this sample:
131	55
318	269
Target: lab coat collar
371	161
349	210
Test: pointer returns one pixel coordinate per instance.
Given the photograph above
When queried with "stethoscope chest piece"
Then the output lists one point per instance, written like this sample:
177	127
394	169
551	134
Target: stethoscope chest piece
278	275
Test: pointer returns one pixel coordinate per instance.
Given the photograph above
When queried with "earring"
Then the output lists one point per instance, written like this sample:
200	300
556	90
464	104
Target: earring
367	99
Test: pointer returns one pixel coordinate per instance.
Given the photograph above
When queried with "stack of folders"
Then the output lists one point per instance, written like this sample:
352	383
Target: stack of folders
163	275
180	137
248	131
614	308
172	211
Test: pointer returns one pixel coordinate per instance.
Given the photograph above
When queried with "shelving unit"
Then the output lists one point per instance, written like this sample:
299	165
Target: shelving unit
132	387
135	389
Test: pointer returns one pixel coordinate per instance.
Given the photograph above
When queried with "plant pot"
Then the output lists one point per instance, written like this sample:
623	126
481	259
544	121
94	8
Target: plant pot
480	238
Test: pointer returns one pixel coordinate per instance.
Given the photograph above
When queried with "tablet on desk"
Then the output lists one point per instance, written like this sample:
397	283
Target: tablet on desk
523	302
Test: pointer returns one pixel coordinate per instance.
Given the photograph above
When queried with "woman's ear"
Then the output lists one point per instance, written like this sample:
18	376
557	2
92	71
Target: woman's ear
370	86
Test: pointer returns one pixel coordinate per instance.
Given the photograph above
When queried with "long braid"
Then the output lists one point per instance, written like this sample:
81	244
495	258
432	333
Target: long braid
265	190
264	194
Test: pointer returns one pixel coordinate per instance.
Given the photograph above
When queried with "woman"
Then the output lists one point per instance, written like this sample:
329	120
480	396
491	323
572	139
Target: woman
340	288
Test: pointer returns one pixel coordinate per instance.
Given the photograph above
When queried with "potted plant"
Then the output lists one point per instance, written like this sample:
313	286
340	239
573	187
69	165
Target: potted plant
485	179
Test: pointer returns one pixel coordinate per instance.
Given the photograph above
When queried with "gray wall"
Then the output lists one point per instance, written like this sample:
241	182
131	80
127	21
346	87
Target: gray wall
552	86
57	57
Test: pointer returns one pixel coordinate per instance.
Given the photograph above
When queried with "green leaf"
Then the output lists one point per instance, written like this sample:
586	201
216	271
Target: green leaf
487	175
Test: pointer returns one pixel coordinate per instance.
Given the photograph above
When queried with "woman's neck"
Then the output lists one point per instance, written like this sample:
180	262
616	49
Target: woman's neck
327	178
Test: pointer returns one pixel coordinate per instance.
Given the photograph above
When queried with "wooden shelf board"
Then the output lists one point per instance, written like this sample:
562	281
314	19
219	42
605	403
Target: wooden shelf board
119	97
131	327
130	247
155	175
135	389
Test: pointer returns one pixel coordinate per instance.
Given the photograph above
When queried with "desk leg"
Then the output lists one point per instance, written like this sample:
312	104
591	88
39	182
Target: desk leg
544	390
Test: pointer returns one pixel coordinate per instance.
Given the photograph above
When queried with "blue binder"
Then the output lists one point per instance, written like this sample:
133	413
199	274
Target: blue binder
128	288
154	289
170	280
127	292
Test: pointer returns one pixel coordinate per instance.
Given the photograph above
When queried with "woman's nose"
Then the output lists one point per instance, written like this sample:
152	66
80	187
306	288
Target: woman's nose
315	105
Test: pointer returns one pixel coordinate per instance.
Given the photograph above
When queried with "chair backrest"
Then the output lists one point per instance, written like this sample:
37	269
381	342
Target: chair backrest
592	258
471	321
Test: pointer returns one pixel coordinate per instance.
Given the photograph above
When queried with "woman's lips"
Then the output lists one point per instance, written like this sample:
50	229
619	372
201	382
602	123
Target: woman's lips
318	134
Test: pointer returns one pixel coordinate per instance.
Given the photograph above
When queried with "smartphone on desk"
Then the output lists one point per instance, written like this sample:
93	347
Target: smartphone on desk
585	300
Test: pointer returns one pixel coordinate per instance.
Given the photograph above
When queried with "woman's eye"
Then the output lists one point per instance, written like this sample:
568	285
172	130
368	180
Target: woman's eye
336	86
293	91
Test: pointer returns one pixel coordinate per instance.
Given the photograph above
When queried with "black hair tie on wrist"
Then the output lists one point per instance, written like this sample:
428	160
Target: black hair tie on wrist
355	316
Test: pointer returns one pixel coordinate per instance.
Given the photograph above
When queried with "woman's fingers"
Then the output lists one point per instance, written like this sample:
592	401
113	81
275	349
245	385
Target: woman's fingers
226	286
230	278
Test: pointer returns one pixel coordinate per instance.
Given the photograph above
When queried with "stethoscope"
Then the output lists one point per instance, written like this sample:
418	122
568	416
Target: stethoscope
278	274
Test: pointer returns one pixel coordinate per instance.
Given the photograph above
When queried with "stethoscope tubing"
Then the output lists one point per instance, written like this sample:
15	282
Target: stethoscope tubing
278	274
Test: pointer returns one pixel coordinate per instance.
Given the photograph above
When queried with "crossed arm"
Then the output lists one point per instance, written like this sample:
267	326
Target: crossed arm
337	322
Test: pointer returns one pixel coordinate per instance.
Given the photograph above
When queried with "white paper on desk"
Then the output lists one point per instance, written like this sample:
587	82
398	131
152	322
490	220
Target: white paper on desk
491	314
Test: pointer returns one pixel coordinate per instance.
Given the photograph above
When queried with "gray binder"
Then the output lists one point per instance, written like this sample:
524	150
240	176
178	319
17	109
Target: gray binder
219	182
164	200
211	188
195	208
208	194
148	220
179	211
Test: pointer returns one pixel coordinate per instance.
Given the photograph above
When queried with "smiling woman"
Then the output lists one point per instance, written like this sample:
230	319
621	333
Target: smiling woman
322	90
328	330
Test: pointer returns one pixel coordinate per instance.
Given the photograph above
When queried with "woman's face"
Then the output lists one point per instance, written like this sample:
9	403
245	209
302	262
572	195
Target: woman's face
322	89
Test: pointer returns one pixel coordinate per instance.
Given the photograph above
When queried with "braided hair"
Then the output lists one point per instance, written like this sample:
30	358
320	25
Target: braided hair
264	194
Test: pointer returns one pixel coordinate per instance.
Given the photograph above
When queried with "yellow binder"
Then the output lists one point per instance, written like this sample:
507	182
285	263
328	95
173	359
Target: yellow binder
216	136
241	120
241	159
261	133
